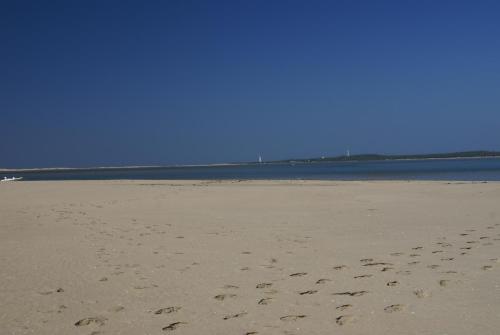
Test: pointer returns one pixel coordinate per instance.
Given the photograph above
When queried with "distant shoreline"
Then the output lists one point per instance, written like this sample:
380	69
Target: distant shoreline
337	159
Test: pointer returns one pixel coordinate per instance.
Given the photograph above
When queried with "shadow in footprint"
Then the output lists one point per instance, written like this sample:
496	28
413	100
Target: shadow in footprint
377	263
233	316
344	319
298	274
308	292
343	307
173	326
443	282
362	276
352	293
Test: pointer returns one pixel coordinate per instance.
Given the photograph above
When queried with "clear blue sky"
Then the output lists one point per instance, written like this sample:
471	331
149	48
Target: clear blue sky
86	83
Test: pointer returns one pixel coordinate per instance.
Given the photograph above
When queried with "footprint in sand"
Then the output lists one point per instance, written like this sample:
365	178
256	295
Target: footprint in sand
222	297
59	290
377	263
397	254
343	307
362	276
443	282
292	317
414	255
394	308
421	293
233	316
322	280
97	320
265	301
413	263
344	319
486	267
392	283
167	310
446	259
264	285
417	248
437	251
298	274
173	326
352	294
308	292
366	260
340	267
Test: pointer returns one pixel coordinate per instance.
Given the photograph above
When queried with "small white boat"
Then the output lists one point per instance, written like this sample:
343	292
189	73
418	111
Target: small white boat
11	179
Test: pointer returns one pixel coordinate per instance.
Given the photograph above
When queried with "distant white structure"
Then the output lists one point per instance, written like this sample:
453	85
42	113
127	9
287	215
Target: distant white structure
260	159
348	153
11	179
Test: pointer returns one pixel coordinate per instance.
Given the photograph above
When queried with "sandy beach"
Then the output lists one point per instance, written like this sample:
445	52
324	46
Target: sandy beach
251	257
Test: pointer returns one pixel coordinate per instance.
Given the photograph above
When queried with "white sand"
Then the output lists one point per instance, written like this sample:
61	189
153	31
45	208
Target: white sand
111	254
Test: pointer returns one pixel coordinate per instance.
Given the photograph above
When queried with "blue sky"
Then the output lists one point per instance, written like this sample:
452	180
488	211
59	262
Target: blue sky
99	83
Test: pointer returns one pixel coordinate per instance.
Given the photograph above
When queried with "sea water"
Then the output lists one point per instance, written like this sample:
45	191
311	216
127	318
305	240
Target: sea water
484	169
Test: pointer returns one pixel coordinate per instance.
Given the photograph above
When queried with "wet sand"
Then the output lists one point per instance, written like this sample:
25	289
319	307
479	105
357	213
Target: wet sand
254	257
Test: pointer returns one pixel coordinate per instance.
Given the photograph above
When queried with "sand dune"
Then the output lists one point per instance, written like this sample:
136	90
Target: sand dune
254	257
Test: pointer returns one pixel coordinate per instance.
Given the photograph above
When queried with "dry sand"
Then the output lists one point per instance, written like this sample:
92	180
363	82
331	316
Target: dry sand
281	257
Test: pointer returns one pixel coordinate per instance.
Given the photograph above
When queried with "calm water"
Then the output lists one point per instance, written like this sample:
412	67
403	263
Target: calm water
454	169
